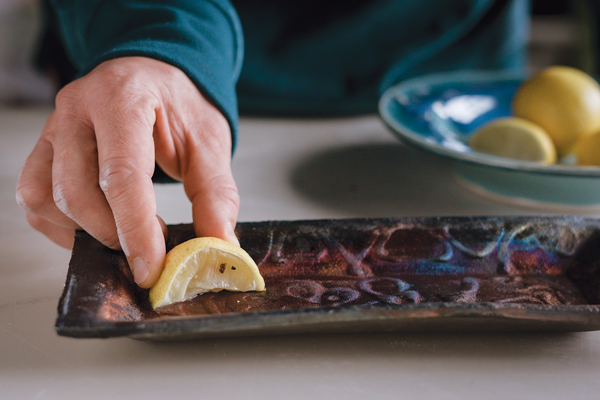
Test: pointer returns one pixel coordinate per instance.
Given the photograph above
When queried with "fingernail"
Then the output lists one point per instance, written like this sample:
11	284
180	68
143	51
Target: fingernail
231	234
140	271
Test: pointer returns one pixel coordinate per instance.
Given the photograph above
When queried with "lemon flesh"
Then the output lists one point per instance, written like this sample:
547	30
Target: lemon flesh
514	138
204	265
563	101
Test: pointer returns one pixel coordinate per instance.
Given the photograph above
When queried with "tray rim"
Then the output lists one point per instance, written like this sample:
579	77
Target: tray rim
469	317
587	318
431	81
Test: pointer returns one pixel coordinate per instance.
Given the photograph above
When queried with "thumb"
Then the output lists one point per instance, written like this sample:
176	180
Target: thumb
215	203
209	184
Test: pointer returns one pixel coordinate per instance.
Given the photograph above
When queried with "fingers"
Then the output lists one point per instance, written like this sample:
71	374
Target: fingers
93	165
76	191
34	188
59	188
126	164
93	171
64	237
209	183
215	205
198	151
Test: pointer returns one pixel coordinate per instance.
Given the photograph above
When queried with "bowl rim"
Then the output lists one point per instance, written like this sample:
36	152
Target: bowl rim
433	81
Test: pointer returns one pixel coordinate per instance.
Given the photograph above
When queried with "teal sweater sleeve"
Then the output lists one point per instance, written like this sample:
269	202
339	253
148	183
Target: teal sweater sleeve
201	37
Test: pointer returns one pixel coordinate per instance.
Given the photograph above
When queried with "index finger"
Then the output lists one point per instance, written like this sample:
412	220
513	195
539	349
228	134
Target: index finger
126	164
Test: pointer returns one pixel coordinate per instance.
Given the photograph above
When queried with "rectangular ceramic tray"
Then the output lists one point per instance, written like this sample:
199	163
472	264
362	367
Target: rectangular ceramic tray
361	275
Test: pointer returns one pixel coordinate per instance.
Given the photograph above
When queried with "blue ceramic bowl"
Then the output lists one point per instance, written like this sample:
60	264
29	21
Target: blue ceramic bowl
438	113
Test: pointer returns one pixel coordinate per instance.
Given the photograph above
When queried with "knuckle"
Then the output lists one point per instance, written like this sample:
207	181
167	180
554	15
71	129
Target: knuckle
115	91
32	198
67	97
127	88
130	231
230	195
64	193
70	105
120	180
127	96
132	104
224	189
111	241
127	227
69	100
116	174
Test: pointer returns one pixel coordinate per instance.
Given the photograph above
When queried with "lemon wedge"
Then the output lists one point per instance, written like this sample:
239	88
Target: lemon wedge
514	138
204	265
563	101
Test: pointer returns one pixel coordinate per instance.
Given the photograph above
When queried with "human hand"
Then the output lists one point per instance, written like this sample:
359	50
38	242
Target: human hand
92	166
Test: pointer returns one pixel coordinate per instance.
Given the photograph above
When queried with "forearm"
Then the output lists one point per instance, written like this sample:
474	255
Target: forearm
202	38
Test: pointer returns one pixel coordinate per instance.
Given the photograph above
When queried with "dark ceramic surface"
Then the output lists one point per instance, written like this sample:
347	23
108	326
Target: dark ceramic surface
405	275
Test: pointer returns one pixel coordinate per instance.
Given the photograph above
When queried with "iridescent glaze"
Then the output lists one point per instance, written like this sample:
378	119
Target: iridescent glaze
362	266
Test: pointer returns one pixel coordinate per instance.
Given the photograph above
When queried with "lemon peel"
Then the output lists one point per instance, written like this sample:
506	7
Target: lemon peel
563	101
587	150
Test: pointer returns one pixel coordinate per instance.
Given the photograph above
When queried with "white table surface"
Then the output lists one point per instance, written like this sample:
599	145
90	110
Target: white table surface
285	169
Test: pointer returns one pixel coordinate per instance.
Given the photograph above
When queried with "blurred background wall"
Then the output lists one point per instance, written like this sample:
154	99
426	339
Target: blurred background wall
562	32
565	32
20	23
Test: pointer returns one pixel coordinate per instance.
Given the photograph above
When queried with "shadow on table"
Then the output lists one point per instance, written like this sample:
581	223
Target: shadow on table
374	180
381	347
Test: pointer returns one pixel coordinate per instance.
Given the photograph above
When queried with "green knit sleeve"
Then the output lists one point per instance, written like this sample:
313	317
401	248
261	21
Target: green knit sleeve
201	37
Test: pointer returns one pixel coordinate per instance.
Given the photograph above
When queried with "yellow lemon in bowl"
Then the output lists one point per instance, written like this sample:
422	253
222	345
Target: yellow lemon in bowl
587	150
202	265
514	138
563	101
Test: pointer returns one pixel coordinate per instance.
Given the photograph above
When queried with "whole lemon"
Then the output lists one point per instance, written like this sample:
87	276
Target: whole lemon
564	101
587	150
